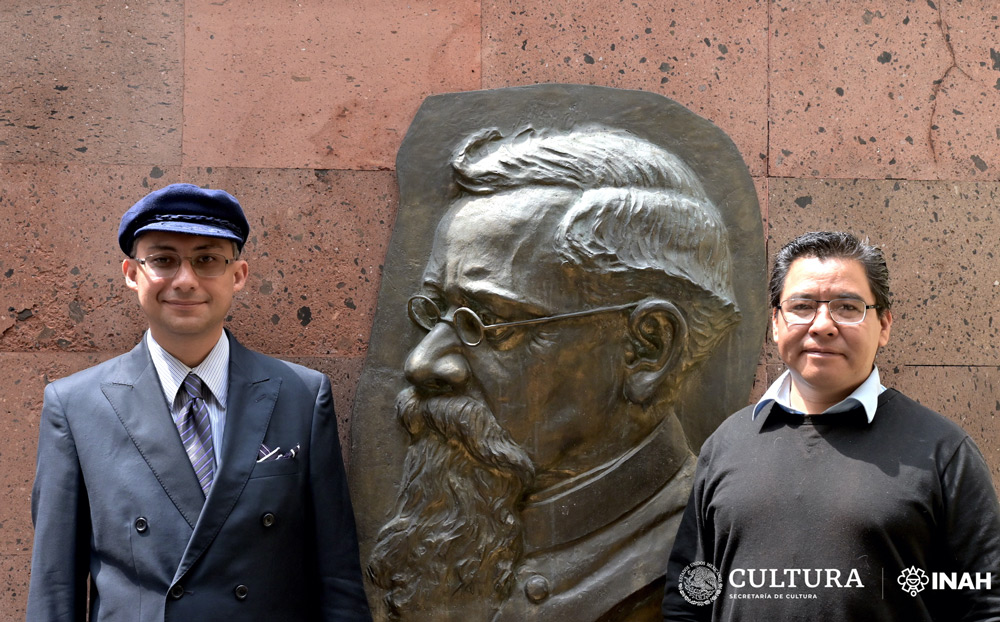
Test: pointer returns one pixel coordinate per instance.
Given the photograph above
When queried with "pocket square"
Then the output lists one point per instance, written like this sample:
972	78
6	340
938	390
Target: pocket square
265	453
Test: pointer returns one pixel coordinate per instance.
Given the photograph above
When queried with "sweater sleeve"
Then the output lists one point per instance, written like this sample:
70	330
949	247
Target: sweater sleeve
972	530
693	543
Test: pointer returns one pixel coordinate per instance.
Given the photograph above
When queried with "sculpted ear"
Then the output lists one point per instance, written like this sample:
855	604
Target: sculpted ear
658	333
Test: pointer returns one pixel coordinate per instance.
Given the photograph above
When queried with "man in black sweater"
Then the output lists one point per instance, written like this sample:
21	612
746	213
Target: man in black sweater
834	498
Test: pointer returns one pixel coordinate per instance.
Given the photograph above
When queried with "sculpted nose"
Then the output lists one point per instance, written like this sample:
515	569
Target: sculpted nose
437	364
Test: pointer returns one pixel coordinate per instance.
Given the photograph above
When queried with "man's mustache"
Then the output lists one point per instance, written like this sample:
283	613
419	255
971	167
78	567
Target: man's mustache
468	421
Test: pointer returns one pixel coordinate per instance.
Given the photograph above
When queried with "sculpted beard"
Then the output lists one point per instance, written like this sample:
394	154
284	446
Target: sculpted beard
456	529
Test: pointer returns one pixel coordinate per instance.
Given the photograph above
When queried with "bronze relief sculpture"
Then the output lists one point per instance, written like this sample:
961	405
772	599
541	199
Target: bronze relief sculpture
577	266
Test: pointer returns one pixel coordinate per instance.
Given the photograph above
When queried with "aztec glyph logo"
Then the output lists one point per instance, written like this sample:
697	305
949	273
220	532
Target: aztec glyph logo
913	580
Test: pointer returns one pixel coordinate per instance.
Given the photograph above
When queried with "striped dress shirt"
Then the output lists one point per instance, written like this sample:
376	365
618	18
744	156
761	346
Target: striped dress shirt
213	371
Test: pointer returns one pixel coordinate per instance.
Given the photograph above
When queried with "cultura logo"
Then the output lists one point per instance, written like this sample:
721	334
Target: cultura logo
913	580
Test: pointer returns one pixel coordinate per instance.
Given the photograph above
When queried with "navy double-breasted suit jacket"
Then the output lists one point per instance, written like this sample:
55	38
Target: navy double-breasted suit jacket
115	499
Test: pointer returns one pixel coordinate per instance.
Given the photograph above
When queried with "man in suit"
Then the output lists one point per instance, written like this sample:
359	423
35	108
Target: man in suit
191	478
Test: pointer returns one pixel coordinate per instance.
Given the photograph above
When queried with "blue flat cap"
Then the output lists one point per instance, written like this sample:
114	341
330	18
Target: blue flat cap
185	208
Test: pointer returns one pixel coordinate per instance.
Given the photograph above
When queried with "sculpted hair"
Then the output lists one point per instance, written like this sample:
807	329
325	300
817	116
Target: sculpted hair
825	245
643	218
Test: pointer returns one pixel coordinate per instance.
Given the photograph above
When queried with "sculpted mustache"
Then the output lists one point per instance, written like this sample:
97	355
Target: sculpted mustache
468	421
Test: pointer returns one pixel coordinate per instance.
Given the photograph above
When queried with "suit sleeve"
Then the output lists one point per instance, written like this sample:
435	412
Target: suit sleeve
60	514
972	530
689	546
343	596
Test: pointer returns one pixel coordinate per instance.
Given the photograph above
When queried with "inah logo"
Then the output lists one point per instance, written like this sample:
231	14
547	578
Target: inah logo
913	580
700	583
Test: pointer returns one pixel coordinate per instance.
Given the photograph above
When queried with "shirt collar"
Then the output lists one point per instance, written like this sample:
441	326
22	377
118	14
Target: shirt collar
213	371
866	396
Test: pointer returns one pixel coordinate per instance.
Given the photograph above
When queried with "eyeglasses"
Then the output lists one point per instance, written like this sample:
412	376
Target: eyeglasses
166	265
844	311
470	328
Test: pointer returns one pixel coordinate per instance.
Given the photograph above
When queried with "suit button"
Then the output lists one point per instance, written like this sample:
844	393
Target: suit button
141	525
267	519
241	592
176	591
536	588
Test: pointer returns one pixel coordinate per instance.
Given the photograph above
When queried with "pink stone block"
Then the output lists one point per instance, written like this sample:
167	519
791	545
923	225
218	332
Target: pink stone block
709	56
91	82
939	239
884	89
315	253
318	84
967	139
317	243
14	577
760	185
60	272
21	388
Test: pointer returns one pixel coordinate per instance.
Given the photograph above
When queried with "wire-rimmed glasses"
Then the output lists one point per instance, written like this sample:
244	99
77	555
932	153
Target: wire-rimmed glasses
166	265
471	329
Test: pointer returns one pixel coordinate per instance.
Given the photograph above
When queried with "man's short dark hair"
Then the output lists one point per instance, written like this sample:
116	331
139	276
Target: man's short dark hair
825	245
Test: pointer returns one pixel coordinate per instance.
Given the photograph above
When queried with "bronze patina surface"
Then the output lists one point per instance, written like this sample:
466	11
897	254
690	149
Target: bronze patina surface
573	299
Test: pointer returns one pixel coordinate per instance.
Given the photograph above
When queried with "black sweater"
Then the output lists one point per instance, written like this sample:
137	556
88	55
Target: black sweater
817	517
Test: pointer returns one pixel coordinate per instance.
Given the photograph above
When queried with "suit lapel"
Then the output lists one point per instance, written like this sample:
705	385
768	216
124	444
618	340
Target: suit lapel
252	395
136	396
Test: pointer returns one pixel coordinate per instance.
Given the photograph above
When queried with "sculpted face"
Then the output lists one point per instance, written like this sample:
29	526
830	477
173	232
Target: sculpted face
526	407
599	269
553	387
828	360
564	332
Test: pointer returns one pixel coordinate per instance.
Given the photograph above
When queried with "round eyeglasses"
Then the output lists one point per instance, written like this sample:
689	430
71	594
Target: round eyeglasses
166	265
844	311
470	328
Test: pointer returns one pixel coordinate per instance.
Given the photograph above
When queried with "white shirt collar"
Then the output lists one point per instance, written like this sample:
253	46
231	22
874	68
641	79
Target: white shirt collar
213	371
866	395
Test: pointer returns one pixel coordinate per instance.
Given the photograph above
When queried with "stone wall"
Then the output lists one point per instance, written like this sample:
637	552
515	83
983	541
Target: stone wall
881	117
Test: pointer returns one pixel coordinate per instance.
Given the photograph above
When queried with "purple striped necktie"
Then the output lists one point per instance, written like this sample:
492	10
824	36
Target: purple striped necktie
195	428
